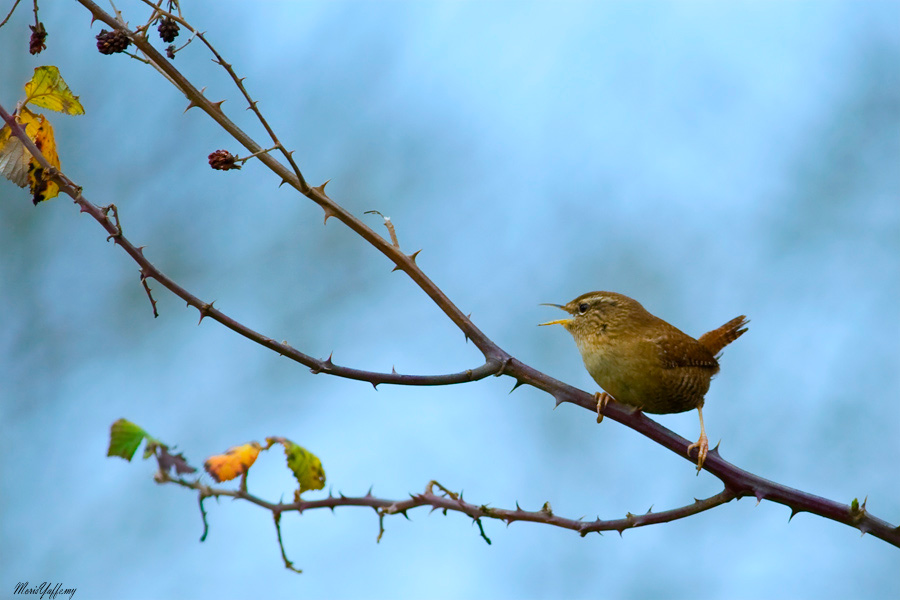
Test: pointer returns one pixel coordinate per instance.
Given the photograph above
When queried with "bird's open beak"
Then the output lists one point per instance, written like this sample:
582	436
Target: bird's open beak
558	321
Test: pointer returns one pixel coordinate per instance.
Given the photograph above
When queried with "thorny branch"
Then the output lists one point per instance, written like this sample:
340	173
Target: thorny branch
448	501
738	483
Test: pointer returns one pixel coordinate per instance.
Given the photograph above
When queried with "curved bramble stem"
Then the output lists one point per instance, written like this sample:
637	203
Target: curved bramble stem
10	14
447	500
403	262
112	225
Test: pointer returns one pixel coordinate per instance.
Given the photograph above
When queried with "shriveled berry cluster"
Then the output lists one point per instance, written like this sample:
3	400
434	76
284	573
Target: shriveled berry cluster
110	42
38	40
223	160
168	29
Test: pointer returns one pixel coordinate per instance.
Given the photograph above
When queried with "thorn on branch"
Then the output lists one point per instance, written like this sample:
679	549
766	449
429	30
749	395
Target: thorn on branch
321	188
516	385
205	310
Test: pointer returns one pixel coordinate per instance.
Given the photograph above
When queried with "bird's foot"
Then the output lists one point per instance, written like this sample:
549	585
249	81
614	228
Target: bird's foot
602	400
702	446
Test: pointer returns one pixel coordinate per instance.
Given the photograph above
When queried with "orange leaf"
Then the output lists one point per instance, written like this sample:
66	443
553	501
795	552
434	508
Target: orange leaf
233	463
17	164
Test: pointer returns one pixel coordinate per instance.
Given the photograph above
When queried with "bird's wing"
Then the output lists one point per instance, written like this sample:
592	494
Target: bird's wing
677	349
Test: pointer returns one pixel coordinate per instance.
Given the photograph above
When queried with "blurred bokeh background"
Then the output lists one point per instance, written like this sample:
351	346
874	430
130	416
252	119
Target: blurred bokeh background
709	159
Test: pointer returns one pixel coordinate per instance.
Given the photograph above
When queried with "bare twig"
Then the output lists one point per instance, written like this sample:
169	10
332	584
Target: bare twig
287	563
10	14
149	294
149	270
402	261
389	225
239	82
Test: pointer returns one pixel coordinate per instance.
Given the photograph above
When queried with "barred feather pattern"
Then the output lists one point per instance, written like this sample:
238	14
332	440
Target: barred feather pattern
717	339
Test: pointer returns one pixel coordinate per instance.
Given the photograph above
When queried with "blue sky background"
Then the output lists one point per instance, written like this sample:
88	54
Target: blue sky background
709	159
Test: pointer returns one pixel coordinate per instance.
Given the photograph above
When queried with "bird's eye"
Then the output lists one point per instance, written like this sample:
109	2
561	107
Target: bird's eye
582	308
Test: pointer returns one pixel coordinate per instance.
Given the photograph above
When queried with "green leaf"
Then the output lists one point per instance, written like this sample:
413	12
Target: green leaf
124	439
305	465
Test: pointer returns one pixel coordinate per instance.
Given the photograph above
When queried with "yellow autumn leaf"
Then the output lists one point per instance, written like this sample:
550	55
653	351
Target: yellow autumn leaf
17	164
41	133
47	89
233	463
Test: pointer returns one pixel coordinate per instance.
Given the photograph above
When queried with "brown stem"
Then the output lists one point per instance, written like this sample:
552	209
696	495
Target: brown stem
450	501
316	194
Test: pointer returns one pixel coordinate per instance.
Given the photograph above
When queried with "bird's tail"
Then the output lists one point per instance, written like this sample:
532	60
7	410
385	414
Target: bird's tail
717	339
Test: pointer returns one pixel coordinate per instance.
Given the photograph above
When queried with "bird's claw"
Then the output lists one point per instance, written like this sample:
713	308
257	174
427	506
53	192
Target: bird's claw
602	400
702	446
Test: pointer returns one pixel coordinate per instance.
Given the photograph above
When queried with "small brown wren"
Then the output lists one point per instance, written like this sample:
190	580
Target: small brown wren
640	360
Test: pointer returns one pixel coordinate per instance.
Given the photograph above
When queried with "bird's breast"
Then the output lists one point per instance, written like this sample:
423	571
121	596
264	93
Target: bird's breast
633	374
